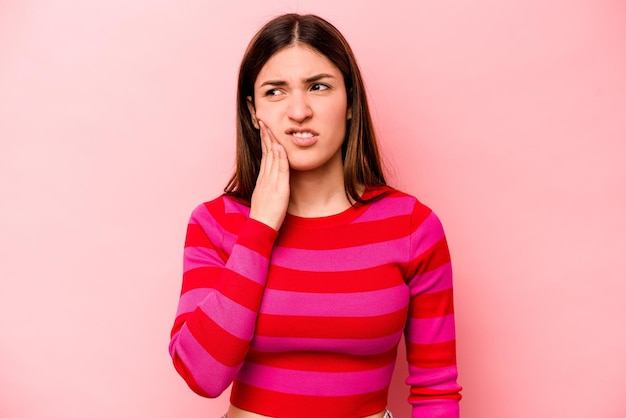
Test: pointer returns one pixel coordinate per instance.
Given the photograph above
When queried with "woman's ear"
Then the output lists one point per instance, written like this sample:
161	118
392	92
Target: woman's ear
252	110
349	114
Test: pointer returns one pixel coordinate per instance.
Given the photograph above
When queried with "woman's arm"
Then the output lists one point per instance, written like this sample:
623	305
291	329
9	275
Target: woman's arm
221	293
223	285
430	333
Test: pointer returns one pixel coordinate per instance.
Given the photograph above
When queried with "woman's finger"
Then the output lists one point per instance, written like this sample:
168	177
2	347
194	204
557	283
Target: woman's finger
267	156
266	139
283	161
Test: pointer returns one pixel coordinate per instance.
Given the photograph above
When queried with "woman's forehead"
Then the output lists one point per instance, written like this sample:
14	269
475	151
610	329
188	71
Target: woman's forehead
296	63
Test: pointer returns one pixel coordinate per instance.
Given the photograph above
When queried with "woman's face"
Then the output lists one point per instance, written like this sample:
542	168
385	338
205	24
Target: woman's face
300	95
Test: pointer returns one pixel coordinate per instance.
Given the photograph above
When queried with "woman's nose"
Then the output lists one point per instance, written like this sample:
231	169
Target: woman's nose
299	109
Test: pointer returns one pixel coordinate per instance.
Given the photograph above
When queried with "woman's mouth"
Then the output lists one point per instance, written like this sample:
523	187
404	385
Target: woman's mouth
303	137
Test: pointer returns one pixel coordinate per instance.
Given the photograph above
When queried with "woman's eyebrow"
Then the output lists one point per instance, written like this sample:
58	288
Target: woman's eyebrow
274	83
318	77
312	79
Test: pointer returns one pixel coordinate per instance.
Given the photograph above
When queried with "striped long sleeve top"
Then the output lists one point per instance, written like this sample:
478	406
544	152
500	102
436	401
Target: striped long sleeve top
305	322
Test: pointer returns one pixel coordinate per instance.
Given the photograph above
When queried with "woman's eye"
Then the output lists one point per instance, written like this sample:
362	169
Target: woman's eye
272	92
319	87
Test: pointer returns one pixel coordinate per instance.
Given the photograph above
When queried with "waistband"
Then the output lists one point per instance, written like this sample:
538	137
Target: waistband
388	414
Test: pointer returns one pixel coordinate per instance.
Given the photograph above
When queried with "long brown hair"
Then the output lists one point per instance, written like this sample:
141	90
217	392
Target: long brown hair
361	159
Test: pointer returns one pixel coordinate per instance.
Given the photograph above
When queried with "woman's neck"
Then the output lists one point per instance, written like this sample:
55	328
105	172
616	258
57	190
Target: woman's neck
314	196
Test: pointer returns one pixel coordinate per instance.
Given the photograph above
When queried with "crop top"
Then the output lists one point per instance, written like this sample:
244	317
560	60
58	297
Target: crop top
305	322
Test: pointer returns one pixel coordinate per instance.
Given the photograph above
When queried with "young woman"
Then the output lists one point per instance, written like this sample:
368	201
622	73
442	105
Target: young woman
300	280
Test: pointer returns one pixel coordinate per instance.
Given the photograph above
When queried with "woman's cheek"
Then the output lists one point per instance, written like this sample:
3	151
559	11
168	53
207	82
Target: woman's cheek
270	115
270	124
261	116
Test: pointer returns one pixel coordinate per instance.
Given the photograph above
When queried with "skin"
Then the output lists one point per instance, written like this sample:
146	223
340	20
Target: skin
298	90
234	412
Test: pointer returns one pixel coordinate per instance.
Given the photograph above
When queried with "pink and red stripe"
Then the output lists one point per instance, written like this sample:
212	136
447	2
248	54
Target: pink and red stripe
306	322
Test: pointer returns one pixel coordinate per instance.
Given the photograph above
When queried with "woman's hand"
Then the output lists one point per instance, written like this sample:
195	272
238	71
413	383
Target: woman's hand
271	194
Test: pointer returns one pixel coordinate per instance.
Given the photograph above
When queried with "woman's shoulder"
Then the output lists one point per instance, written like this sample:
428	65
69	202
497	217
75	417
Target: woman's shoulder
393	196
220	207
385	202
395	203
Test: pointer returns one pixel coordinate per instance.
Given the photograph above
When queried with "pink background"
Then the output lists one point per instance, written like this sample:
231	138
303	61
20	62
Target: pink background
117	118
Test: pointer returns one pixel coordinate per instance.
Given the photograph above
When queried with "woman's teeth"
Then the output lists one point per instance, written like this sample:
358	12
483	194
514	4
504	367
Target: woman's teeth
302	134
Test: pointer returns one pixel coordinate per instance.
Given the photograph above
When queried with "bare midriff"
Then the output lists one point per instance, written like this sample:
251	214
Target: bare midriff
234	412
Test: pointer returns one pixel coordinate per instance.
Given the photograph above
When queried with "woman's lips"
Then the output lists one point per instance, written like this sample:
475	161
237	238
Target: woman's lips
302	137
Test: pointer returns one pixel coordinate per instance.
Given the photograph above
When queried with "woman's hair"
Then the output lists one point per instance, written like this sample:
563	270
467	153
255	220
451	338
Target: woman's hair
360	155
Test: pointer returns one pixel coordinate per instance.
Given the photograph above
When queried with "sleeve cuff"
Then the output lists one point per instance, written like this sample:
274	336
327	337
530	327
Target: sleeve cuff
258	237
